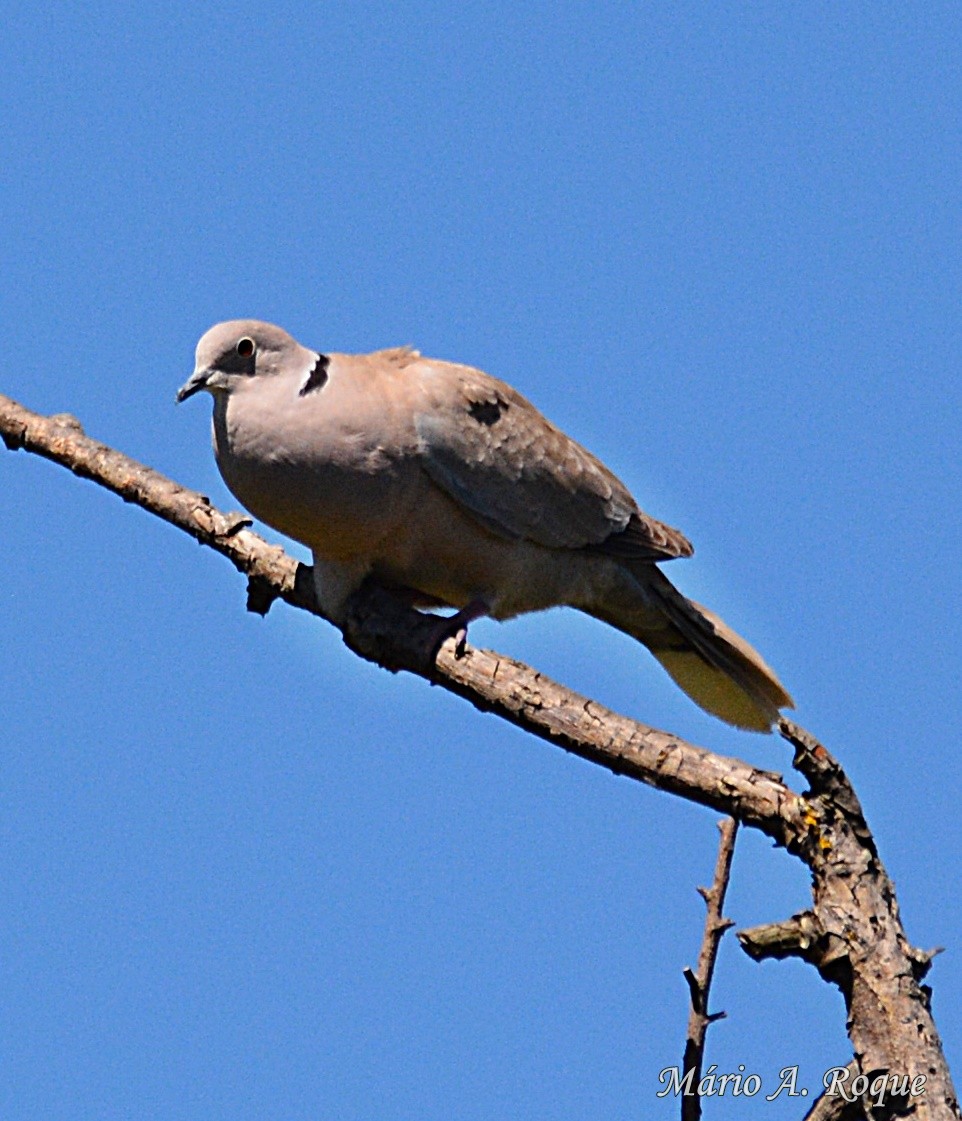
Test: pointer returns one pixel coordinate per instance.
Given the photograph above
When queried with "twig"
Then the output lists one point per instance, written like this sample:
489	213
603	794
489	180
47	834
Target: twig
699	982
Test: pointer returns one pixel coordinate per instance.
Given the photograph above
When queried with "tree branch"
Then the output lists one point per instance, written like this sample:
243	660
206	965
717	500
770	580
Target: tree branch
699	981
865	953
795	937
833	1107
385	631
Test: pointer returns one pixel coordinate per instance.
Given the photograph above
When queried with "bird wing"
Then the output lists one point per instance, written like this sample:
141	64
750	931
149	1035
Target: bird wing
520	476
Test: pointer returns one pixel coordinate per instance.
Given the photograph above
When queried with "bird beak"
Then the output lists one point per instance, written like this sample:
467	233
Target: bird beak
194	384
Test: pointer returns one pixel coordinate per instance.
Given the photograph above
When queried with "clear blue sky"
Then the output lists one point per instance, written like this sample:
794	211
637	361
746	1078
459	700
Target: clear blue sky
246	876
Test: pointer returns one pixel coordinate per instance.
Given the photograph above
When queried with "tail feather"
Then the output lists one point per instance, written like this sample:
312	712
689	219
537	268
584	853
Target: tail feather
716	667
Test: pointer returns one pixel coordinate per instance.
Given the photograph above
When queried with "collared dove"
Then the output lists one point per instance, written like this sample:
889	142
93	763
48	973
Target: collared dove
443	483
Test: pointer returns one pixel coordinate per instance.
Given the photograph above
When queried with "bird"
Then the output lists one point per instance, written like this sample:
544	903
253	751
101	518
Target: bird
447	486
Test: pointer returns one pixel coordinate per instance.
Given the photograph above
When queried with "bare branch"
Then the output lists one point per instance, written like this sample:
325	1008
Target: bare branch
389	633
854	937
699	982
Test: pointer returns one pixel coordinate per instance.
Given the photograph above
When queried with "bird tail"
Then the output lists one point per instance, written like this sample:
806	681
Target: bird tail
716	667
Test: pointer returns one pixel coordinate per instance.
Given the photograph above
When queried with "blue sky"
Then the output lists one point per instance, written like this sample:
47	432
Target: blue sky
244	874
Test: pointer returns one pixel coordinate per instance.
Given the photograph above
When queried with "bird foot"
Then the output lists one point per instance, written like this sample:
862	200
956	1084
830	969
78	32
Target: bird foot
456	627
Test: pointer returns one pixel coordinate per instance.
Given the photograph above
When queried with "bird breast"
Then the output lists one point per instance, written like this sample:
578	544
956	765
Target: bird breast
314	467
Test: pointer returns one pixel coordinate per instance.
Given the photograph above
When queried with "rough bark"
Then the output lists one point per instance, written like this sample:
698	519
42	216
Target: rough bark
853	933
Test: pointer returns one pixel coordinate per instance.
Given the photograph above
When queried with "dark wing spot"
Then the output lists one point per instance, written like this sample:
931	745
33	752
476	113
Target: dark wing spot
317	376
488	412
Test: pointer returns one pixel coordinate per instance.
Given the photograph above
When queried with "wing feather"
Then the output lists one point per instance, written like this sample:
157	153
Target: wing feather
521	476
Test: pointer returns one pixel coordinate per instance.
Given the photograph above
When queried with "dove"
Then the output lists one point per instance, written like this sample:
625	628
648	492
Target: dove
448	487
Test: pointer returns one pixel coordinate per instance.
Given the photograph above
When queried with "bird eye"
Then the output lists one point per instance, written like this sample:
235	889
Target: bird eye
245	347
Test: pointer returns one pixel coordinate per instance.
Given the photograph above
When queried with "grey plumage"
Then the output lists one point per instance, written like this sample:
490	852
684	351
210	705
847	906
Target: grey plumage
443	480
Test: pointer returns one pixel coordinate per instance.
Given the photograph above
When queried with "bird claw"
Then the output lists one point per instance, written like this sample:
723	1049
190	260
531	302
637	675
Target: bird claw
456	627
460	641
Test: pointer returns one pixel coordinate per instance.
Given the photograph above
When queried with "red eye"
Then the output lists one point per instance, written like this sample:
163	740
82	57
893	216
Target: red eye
245	347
